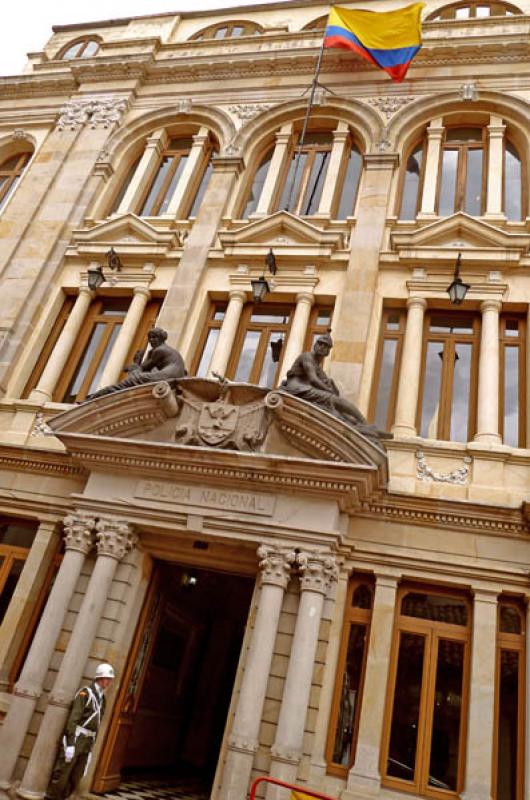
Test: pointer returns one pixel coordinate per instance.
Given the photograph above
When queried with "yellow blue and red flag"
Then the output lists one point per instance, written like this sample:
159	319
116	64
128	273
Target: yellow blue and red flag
388	39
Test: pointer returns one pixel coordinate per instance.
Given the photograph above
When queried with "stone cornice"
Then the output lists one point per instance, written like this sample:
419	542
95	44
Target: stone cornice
32	85
39	461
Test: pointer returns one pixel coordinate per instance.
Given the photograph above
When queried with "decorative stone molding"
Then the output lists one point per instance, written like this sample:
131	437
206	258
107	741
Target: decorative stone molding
275	564
241	744
317	571
114	538
469	91
285	755
389	104
41	428
94	111
79	532
458	476
247	111
20	134
184	106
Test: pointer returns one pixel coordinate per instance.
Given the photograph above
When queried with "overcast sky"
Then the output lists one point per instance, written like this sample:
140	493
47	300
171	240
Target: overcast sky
27	26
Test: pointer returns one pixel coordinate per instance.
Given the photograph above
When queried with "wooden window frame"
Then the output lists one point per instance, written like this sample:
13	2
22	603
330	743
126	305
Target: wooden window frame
520	342
524	172
12	552
352	616
447	377
311	151
351	145
461	168
399	336
258	161
403	175
83	43
12	174
514	643
176	154
266	330
249	29
432	632
92	317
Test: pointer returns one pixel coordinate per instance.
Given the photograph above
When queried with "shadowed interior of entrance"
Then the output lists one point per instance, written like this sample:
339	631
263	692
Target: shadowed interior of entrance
182	667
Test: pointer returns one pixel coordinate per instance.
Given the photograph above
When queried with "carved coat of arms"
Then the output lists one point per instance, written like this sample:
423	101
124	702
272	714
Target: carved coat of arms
216	422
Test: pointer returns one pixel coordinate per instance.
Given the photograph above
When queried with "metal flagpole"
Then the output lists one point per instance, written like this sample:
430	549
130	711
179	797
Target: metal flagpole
306	120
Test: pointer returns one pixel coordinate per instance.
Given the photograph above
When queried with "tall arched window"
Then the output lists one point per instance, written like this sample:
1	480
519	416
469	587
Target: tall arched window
302	187
229	30
257	184
11	171
475	8
462	172
82	48
410	194
166	178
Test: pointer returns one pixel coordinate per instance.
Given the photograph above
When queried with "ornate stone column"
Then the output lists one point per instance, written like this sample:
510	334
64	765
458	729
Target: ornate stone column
79	540
191	176
409	376
317	571
495	167
435	133
144	172
488	375
365	773
43	391
297	333
124	340
481	697
114	538
276	168
227	334
336	159
275	565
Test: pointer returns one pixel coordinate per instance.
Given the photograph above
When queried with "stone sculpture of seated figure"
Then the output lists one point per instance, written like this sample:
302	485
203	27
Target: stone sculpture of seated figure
307	379
162	363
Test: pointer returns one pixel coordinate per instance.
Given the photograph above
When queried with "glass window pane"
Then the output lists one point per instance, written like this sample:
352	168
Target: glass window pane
462	13
10	585
448	183
511	327
350	184
443	767
10	190
220	33
463	135
248	354
257	185
201	190
207	353
362	597
349	698
450	323
409	201
508	726
104	358
84	363
405	713
123	188
17	535
512	184
324	317
393	322
237	30
287	187
115	306
461	392
430	408
511	396
73	51
482	11
510	620
388	363
150	201
315	183
270	367
473	198
90	49
434	607
265	316
219	313
170	191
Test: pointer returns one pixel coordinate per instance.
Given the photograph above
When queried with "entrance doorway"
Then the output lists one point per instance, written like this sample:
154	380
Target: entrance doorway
171	711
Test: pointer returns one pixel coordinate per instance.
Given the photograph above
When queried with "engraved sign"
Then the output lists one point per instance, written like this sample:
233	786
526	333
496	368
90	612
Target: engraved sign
168	492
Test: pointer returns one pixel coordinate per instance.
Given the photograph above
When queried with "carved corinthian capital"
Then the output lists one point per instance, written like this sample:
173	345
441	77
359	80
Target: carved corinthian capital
275	564
114	537
79	532
317	571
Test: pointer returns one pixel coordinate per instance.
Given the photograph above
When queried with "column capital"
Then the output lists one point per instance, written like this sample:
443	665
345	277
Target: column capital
84	289
230	164
283	137
416	302
275	564
317	571
305	297
143	291
237	294
79	532
157	143
435	132
386	579
491	304
114	537
481	595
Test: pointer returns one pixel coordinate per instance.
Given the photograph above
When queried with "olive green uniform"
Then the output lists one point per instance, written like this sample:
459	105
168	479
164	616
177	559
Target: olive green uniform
81	729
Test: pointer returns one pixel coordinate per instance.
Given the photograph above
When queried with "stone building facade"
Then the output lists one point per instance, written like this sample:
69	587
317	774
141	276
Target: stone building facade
297	603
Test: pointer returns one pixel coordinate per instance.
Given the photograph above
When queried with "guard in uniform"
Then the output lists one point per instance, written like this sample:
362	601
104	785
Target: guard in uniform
79	735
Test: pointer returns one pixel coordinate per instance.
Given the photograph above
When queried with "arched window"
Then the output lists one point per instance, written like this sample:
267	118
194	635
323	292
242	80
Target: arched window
10	173
166	178
257	185
302	187
82	48
473	9
462	172
410	195
229	30
317	24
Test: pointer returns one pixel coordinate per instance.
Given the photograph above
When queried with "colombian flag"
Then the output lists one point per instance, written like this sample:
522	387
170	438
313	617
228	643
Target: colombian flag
388	39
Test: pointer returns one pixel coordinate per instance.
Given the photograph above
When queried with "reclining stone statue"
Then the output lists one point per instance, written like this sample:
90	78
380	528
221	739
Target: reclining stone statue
162	363
306	379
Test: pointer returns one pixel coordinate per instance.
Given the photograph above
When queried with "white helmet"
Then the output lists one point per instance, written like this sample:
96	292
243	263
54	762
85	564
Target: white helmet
104	671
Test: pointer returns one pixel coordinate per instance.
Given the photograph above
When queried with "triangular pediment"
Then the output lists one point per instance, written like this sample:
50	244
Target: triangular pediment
126	230
282	229
460	232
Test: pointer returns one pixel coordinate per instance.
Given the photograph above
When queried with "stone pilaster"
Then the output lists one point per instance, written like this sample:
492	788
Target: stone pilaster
276	169
79	540
144	172
435	133
495	168
114	538
275	571
297	332
225	342
317	571
124	340
488	374
409	377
